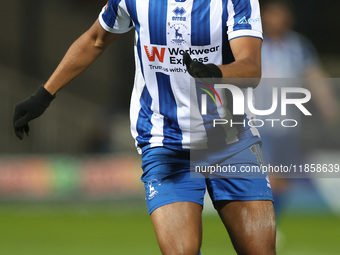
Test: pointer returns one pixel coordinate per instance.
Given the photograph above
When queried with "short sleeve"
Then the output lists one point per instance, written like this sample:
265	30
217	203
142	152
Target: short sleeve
244	19
114	17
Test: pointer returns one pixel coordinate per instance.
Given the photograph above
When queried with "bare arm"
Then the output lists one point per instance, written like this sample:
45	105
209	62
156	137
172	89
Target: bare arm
247	64
80	55
84	51
247	54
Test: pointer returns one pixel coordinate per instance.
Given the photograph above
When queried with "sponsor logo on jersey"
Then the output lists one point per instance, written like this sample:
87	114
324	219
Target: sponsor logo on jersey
154	52
180	1
178	31
244	20
179	12
170	59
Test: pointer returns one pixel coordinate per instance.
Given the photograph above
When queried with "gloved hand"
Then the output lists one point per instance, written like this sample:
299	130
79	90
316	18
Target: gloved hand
30	109
210	72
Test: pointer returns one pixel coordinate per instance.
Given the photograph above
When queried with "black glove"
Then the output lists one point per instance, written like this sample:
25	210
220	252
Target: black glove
199	70
30	109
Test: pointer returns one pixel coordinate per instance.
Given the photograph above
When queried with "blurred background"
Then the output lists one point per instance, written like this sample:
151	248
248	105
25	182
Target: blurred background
73	187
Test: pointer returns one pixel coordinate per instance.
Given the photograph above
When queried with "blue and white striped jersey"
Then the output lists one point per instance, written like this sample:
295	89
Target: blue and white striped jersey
164	29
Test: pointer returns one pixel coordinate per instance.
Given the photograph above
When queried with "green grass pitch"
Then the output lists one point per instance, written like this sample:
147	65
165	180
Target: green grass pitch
103	230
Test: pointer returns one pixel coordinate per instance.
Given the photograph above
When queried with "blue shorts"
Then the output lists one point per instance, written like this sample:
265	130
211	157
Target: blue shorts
167	179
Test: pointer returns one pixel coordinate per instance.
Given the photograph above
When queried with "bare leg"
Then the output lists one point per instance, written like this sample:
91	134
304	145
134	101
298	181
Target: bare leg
178	228
250	224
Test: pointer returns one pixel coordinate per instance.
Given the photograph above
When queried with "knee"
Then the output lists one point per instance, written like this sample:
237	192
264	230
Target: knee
256	246
184	247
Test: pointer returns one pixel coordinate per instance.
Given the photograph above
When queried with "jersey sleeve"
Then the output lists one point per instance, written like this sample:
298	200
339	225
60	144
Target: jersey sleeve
115	18
244	19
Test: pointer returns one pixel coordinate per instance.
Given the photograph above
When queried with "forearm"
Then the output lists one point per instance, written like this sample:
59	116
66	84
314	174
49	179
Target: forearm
242	73
247	64
245	68
85	50
78	57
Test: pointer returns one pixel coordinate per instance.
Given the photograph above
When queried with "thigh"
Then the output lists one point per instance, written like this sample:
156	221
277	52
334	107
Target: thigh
178	228
167	179
243	184
174	200
245	205
250	224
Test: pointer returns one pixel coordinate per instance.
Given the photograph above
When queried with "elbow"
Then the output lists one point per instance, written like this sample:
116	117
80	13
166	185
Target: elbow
255	75
95	40
99	45
257	80
251	70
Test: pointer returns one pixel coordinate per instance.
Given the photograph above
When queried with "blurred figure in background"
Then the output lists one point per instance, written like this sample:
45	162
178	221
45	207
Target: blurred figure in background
288	54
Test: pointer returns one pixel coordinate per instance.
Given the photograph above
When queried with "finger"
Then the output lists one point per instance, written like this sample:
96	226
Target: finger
21	122
27	129
17	114
19	132
199	70
20	128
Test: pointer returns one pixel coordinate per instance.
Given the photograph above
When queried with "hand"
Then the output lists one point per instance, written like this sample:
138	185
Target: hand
30	109
199	70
